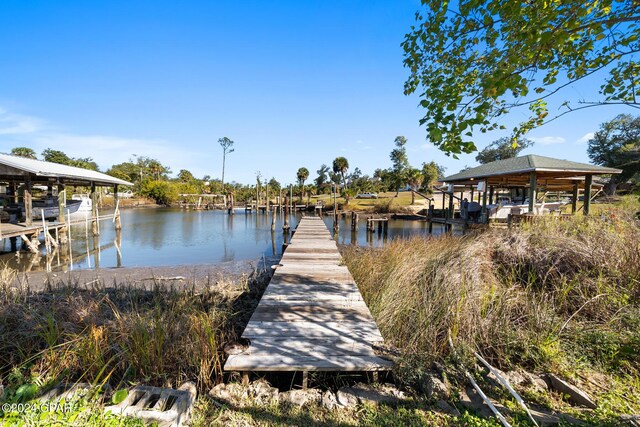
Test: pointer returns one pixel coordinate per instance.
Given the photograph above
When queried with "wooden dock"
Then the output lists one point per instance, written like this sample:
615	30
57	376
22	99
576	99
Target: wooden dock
312	316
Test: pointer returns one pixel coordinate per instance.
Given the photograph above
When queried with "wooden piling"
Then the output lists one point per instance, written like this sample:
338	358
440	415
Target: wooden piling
285	225
28	206
116	212
273	219
94	209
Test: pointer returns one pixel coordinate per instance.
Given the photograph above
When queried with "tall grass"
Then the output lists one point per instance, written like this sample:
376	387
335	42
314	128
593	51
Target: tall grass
533	296
162	336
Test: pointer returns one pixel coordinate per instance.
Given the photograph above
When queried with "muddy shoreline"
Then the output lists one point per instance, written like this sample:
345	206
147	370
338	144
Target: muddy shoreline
198	277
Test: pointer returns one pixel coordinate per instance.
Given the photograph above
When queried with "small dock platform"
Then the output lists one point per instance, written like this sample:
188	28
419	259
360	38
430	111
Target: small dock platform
312	316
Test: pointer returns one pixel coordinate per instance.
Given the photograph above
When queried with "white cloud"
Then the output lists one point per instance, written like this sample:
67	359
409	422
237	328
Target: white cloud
427	146
106	150
585	138
549	140
16	124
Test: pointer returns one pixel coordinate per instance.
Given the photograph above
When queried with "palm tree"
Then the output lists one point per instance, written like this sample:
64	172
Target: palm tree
303	174
24	152
414	178
341	166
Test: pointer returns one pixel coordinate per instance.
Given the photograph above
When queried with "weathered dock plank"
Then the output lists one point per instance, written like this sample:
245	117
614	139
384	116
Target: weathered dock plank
312	316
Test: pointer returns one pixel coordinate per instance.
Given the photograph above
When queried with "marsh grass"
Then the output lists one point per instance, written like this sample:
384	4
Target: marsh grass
122	334
555	295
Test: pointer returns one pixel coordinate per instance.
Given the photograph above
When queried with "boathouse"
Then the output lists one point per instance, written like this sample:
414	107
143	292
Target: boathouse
523	184
19	176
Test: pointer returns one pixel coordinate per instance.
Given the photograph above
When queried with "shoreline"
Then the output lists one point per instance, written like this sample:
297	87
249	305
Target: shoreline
190	276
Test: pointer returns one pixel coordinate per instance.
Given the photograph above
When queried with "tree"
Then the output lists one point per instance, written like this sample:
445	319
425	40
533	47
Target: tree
617	145
323	178
414	178
226	145
24	152
431	172
302	175
275	185
400	162
385	178
341	166
475	61
127	171
503	148
185	176
56	156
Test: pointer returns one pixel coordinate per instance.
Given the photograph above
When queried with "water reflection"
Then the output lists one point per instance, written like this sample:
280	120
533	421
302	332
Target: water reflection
160	237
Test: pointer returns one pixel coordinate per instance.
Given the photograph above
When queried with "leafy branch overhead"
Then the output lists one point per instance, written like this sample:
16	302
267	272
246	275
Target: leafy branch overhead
474	63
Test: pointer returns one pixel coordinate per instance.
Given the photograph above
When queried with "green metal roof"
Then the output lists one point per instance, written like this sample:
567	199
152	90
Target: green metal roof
529	163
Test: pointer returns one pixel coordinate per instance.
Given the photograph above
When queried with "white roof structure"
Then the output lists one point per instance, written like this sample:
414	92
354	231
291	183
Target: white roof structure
16	168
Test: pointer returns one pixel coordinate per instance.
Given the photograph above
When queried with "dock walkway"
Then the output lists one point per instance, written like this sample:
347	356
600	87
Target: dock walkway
312	316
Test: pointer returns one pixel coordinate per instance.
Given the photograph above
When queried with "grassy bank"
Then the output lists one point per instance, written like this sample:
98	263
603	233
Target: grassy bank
555	296
119	335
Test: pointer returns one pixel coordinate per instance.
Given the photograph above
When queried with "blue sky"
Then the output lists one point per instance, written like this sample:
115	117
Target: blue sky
292	83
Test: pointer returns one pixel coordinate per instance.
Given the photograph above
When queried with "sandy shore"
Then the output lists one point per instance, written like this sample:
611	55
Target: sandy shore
198	276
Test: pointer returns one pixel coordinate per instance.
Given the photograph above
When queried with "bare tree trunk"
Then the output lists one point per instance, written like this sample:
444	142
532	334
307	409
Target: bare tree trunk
611	187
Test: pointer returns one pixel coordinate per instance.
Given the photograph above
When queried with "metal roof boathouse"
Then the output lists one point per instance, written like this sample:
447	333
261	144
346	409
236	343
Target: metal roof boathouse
529	180
19	175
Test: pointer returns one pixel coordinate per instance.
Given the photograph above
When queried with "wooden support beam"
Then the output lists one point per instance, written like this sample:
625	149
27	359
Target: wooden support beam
62	203
28	202
32	247
533	187
94	210
588	180
116	205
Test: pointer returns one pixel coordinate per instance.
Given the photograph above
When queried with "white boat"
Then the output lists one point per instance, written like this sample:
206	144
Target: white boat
79	205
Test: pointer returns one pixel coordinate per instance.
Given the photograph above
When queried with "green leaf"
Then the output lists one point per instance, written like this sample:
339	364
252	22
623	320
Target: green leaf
119	396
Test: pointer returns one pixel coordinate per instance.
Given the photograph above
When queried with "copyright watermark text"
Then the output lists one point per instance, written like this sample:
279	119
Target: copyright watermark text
35	406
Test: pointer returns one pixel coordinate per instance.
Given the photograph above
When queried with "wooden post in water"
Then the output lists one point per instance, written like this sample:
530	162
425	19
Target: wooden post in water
28	207
291	197
62	205
94	209
285	225
273	219
354	221
267	201
116	213
257	195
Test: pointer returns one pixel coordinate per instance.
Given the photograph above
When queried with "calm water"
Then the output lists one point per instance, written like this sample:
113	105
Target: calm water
163	237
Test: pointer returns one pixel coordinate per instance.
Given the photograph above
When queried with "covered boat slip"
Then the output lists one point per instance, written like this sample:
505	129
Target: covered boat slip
522	186
312	316
19	175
